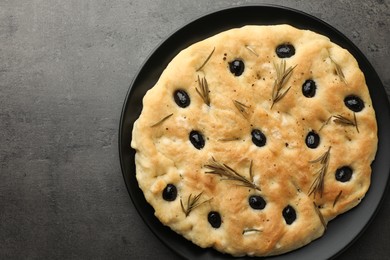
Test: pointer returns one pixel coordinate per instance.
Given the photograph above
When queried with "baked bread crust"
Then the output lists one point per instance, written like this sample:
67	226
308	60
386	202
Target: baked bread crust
285	171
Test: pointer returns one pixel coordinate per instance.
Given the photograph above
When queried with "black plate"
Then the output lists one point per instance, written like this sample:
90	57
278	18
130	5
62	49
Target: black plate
344	229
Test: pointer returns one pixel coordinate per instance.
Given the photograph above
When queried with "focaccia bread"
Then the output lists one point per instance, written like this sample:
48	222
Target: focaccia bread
254	139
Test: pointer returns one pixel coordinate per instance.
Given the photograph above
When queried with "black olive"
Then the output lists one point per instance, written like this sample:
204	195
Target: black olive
285	50
197	139
312	140
289	214
343	174
237	67
309	88
258	138
257	202
354	103
181	98
214	219
170	192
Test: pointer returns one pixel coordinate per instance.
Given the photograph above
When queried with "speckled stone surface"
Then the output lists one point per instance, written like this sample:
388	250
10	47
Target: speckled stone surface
65	68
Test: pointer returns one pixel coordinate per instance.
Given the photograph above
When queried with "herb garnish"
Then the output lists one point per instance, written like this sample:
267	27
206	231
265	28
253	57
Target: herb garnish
339	71
224	170
249	48
192	203
204	90
319	215
241	108
207	59
162	120
229	139
337	198
325	123
248	230
342	120
318	183
345	121
282	76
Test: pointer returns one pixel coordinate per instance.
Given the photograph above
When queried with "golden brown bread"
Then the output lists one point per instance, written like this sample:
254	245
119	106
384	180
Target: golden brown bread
254	186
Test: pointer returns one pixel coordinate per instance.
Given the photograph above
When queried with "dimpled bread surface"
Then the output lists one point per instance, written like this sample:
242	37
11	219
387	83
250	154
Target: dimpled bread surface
211	177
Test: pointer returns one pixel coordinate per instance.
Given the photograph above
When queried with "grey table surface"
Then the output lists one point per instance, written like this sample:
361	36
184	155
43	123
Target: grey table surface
65	68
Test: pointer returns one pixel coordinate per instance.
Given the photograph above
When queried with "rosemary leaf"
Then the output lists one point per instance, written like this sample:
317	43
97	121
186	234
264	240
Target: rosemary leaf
319	215
339	71
249	48
192	203
241	108
204	90
249	230
229	174
337	198
325	123
318	183
229	139
182	207
356	123
162	120
207	59
250	171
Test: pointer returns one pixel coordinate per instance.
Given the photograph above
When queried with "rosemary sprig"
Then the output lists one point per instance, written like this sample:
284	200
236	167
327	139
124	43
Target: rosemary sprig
339	71
249	230
282	76
319	215
192	203
242	108
162	120
207	59
224	170
204	90
337	198
318	183
249	48
229	139
342	120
